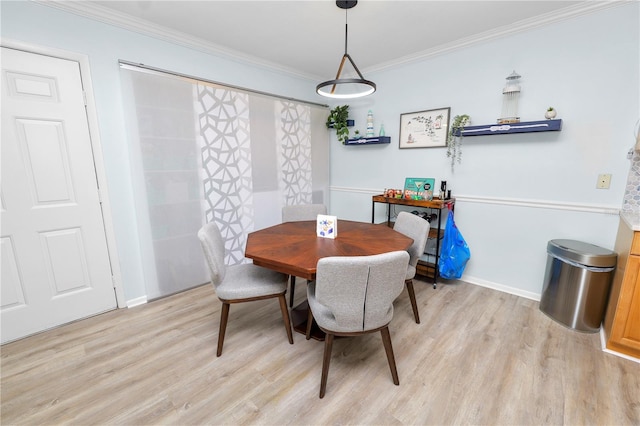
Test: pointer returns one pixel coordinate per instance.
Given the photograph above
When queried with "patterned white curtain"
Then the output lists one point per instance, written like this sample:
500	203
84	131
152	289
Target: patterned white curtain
294	133
207	153
224	129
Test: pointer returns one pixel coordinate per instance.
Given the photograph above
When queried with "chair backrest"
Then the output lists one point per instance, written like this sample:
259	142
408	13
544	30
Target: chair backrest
360	290
213	248
300	212
413	226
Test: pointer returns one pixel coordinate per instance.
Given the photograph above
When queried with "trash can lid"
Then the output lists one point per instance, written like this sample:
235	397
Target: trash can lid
583	253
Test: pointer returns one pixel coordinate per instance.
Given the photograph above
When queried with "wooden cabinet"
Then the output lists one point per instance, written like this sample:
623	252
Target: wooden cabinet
428	264
622	319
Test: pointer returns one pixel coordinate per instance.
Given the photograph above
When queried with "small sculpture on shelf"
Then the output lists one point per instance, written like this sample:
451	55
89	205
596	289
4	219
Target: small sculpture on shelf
550	114
511	93
370	124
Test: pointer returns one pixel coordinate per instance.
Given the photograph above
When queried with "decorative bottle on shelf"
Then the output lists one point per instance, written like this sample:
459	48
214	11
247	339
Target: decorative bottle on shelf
381	130
369	124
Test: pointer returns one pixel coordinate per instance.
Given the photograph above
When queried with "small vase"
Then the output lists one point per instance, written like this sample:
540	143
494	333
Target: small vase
549	115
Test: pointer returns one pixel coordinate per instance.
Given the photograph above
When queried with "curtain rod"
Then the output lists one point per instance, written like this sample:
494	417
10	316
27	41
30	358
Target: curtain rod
153	70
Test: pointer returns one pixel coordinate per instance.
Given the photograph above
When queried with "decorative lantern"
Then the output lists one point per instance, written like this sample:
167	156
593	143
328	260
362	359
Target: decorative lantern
511	93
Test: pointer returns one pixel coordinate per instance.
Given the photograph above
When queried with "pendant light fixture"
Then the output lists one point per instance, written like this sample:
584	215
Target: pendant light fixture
346	88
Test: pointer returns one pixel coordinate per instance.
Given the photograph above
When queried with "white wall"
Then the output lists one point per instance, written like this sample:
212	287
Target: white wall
41	25
586	67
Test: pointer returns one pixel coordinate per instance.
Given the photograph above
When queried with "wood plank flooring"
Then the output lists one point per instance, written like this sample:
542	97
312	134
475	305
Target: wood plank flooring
478	357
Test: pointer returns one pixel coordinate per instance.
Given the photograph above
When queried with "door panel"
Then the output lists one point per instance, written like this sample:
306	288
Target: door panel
31	86
65	259
45	154
55	261
12	285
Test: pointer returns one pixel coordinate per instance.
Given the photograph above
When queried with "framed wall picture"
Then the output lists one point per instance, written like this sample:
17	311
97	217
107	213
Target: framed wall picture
424	129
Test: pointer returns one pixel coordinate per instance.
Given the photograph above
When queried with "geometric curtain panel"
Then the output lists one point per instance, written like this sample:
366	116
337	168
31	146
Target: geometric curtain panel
223	127
293	131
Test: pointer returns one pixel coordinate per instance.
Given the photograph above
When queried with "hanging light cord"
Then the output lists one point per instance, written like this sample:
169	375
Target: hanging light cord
346	30
346	54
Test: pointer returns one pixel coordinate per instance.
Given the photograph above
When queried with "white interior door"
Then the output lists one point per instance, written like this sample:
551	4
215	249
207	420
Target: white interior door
55	261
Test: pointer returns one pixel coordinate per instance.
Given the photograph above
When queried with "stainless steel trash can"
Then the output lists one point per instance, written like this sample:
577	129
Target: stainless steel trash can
576	283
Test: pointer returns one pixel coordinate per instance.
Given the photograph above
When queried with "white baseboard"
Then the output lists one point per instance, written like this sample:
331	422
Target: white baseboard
137	301
500	287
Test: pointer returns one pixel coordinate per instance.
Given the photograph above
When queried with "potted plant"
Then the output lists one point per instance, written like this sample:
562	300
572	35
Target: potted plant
454	138
338	120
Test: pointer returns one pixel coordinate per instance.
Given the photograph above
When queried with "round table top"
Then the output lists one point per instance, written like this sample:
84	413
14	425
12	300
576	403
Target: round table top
294	248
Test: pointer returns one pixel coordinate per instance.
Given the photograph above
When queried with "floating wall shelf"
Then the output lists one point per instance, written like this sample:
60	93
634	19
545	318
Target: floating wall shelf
369	141
350	123
522	127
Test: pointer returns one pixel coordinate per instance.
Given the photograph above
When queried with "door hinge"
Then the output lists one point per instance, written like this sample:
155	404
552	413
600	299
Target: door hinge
84	97
99	196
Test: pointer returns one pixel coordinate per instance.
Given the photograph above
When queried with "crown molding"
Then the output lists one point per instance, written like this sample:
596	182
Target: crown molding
105	15
570	12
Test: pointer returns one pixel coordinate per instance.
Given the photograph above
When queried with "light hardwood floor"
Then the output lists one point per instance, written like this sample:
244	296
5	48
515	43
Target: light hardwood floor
478	357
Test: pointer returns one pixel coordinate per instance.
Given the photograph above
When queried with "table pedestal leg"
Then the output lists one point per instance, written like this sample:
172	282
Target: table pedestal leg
299	322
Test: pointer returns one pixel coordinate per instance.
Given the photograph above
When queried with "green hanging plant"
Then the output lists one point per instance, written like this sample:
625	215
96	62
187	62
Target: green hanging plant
338	120
454	138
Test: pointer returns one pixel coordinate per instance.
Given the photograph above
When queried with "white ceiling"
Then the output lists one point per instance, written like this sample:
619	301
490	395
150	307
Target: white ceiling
307	37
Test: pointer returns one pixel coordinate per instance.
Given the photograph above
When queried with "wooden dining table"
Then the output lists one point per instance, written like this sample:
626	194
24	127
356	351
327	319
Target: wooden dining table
294	248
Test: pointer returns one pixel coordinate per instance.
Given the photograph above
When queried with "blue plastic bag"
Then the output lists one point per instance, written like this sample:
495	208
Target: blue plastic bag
455	251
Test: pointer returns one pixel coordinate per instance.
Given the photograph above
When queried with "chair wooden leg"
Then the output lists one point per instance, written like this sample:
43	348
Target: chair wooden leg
292	290
386	340
328	343
224	317
412	298
285	317
309	322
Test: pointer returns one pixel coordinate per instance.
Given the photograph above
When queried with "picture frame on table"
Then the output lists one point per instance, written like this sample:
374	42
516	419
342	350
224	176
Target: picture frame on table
418	188
424	129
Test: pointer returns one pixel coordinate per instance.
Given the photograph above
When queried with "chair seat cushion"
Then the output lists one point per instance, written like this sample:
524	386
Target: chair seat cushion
411	273
248	280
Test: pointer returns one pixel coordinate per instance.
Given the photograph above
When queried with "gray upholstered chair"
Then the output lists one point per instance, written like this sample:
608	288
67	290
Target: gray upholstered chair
413	226
354	295
297	213
300	212
240	283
